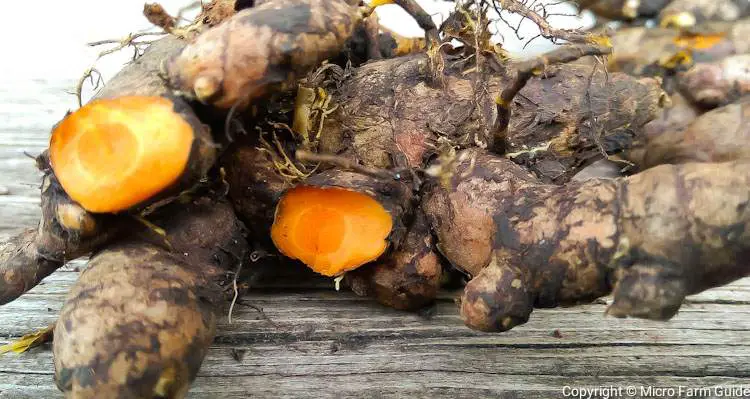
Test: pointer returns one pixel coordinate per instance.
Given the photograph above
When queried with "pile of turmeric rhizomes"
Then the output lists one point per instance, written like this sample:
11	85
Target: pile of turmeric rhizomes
302	130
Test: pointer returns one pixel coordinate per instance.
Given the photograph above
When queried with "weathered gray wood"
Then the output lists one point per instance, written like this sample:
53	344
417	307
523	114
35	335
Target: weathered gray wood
322	343
440	355
364	350
319	315
452	384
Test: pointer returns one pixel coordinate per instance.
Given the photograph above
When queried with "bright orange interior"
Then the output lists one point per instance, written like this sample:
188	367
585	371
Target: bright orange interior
700	42
113	154
331	230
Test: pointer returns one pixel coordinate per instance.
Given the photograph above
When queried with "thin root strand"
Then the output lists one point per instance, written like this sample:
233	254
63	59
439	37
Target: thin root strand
349	164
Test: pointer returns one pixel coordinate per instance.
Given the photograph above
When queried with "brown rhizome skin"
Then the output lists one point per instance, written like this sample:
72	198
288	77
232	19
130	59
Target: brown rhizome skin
416	133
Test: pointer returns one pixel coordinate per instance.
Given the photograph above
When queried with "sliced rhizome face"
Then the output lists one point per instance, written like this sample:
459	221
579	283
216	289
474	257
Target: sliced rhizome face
330	229
114	154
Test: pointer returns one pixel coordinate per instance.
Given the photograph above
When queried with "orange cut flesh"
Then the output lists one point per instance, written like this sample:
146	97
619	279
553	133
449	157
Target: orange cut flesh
113	154
331	230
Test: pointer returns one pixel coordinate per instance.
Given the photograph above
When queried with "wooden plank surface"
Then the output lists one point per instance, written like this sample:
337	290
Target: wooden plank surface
316	342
